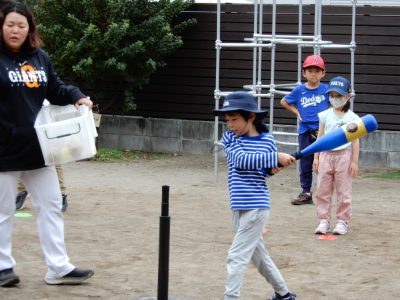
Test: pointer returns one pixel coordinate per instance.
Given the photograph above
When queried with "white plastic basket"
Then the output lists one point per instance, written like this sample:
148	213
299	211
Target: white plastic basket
66	134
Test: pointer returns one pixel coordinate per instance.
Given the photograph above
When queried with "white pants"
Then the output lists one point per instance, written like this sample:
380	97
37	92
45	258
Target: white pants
248	244
43	186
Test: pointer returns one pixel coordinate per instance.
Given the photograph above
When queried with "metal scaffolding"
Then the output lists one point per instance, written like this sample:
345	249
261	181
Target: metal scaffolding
258	42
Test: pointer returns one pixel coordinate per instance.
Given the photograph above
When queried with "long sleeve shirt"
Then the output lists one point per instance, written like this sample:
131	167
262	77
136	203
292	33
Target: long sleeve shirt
248	160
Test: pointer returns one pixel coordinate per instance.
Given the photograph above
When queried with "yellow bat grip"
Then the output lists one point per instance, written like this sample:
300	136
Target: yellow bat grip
355	130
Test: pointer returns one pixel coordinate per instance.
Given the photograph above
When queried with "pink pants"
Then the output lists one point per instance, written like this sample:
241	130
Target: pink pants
334	172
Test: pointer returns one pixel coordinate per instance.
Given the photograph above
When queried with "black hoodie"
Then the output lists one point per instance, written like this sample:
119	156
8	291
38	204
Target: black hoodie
26	79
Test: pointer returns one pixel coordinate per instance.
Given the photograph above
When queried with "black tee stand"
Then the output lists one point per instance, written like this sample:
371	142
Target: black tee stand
163	258
163	254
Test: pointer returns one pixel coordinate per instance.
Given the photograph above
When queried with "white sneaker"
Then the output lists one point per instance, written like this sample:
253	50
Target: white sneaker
323	227
340	228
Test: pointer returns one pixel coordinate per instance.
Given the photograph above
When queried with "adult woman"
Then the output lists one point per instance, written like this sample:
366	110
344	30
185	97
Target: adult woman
26	79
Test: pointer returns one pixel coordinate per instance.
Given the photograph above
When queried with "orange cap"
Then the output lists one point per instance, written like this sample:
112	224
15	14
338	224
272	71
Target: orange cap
314	61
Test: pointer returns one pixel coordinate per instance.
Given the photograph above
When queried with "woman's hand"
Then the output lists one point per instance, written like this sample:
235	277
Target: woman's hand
84	101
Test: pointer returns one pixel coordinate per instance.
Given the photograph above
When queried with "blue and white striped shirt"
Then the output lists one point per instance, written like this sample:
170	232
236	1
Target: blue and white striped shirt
248	161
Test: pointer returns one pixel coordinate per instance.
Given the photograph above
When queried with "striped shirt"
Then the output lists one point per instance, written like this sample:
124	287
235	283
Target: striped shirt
248	160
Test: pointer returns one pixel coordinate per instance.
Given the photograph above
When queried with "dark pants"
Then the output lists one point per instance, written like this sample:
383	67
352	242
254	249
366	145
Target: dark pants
306	162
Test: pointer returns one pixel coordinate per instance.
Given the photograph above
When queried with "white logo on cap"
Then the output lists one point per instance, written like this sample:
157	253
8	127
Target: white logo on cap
339	83
226	103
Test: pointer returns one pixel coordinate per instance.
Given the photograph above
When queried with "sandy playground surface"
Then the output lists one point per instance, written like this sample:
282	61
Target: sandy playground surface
112	225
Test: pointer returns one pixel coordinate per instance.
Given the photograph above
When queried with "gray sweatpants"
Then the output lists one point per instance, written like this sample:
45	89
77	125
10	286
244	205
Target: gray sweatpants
248	244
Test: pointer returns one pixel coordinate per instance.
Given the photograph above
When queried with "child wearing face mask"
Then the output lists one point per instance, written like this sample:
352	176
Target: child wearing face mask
336	168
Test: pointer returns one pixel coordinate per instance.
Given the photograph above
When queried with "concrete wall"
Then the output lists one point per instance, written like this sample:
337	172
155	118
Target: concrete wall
378	149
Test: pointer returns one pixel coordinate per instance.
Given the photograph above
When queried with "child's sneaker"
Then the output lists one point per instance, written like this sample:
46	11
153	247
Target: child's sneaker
76	276
288	296
303	198
323	227
340	228
20	201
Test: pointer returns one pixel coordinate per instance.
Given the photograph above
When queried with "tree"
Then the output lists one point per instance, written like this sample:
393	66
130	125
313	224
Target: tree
110	47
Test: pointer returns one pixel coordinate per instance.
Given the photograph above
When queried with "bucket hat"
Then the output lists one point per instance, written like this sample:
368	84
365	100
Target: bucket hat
240	101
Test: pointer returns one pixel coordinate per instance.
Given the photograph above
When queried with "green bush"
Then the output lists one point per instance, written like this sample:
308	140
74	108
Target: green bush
110	48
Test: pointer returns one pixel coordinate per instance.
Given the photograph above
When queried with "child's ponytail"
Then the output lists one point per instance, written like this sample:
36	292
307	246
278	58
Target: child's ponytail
260	126
258	122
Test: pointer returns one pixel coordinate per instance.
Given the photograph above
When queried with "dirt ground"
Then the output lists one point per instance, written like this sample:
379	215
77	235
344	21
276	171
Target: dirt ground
112	225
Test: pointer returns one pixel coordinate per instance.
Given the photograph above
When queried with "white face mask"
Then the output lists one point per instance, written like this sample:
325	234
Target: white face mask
337	102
